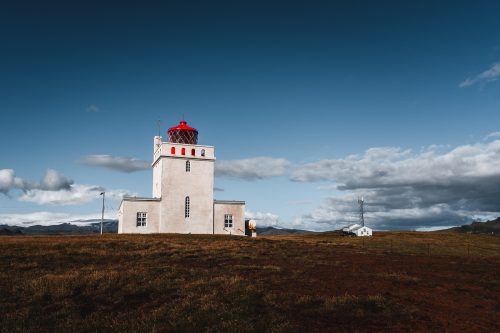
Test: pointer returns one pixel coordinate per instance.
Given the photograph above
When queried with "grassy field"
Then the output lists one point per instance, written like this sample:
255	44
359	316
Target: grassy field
395	282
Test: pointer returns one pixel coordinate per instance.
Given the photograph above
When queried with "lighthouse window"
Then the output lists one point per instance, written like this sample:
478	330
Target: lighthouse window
183	151
228	221
193	152
186	207
172	150
142	218
188	166
203	152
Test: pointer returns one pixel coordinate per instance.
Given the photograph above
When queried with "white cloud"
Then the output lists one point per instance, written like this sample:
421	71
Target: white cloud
50	218
384	153
252	168
8	180
54	189
92	109
117	163
492	135
489	75
52	181
435	228
76	194
262	219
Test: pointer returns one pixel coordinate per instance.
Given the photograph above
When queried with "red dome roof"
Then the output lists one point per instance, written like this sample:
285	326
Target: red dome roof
183	126
183	133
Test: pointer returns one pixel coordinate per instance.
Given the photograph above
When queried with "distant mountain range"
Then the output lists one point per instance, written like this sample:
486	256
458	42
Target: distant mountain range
272	231
488	227
111	226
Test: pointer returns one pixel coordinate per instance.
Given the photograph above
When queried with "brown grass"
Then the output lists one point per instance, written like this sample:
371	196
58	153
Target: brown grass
193	283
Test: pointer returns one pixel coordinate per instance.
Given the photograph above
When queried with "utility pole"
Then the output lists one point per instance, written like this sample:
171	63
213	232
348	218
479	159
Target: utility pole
102	215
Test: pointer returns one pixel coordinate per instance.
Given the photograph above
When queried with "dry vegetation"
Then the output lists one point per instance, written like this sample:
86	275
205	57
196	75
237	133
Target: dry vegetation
313	283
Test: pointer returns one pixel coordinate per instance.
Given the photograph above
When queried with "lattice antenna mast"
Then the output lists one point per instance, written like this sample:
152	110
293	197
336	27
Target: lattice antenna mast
159	127
361	211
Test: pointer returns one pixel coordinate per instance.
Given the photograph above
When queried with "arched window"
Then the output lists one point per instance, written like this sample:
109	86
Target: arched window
193	151
172	150
183	151
186	207
188	166
203	152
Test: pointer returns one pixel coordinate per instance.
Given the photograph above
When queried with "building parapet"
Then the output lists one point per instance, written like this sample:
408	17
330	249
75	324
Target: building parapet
229	202
183	150
140	199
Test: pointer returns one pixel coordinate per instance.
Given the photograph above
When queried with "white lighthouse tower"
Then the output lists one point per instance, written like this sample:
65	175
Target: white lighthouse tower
183	197
183	174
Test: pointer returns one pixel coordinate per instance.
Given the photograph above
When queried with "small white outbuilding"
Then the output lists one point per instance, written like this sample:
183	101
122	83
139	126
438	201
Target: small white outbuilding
357	230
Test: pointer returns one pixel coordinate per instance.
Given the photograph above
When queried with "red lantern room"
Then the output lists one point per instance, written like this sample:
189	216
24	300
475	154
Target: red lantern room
183	133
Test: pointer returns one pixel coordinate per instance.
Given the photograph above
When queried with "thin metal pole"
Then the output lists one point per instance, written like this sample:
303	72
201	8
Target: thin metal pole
102	215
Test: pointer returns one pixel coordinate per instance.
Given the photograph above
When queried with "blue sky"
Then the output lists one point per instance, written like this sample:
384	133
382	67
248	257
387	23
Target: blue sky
309	105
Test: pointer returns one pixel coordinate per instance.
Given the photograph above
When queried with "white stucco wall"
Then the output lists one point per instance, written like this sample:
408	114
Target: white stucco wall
127	216
177	184
235	208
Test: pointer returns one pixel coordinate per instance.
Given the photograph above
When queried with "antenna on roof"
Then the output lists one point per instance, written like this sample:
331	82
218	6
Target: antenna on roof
159	127
361	212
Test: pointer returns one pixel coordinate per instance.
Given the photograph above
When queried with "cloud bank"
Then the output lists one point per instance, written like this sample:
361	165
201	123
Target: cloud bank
117	163
52	181
262	219
408	190
76	195
489	75
247	169
54	189
252	168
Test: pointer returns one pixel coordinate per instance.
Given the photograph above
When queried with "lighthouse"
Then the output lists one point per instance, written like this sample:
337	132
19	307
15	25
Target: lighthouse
183	192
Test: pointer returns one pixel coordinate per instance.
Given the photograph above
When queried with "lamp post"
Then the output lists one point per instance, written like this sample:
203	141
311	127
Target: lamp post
102	215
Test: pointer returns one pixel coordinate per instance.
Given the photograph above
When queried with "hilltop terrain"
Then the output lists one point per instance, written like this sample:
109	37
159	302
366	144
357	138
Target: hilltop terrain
109	226
394	282
91	227
488	227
